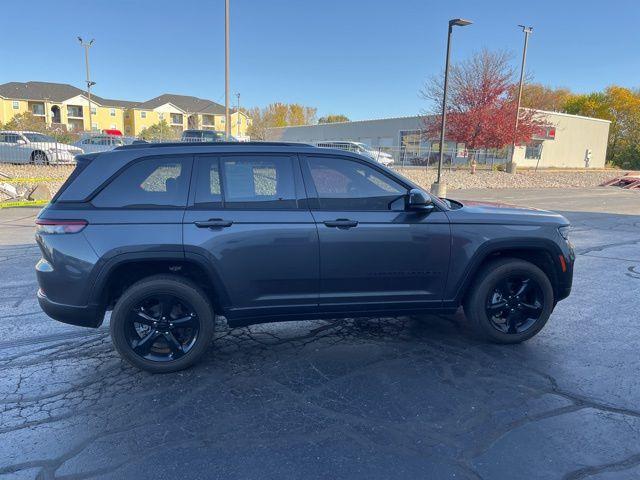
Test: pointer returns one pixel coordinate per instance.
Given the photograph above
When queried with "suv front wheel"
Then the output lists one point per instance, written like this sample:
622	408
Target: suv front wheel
509	301
162	324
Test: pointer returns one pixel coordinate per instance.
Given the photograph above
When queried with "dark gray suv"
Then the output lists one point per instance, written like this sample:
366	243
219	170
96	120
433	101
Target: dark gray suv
169	235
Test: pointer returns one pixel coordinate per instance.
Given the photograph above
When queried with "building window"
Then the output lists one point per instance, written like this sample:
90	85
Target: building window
533	151
74	111
16	105
94	111
112	112
176	118
161	116
37	109
143	114
207	120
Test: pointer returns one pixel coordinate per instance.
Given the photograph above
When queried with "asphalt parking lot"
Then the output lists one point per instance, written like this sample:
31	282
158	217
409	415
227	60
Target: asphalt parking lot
365	398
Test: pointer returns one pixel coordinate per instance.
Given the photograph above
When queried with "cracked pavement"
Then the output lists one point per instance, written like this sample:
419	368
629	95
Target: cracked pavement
403	397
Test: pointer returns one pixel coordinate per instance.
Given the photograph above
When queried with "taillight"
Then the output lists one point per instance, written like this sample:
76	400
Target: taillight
60	226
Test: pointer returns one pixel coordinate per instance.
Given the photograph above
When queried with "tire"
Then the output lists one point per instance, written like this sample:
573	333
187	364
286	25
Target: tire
486	295
130	337
38	157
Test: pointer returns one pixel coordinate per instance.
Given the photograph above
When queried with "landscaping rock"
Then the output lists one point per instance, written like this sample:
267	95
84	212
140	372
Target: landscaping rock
40	192
8	190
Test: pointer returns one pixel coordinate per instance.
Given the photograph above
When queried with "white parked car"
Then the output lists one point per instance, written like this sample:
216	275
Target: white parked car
102	142
34	147
378	155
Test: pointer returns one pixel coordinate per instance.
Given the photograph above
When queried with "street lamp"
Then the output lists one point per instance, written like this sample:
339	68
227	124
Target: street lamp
87	46
511	167
227	119
438	188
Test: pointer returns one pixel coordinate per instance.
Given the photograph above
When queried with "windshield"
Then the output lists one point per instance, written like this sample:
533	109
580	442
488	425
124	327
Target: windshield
38	137
213	136
189	134
363	146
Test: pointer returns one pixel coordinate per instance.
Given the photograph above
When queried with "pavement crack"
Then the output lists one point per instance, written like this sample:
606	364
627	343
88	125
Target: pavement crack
599	248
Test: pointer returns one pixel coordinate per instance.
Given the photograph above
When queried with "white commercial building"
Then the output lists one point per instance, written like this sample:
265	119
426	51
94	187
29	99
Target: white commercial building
569	141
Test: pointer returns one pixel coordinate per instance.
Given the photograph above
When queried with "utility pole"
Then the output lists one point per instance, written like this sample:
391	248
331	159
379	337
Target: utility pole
90	84
511	168
227	120
237	115
438	188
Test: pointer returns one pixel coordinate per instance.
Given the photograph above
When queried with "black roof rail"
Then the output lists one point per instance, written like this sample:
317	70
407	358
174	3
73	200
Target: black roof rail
211	144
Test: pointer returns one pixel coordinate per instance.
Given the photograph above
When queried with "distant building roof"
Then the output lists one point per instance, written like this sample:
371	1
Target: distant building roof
59	92
184	102
54	92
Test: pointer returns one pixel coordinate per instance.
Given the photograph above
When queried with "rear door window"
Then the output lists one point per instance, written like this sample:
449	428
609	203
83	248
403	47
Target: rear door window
208	190
250	182
150	183
258	182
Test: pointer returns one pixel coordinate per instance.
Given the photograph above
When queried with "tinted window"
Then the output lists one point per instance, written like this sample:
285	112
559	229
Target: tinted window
9	137
208	190
38	137
343	184
258	182
154	182
212	136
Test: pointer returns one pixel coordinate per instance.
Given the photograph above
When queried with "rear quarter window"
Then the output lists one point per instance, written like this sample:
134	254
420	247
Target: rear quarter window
150	183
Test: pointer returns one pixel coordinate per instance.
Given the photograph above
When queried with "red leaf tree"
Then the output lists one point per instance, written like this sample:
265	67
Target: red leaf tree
481	104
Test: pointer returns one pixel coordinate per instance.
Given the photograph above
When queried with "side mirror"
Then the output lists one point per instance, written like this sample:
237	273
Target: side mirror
418	200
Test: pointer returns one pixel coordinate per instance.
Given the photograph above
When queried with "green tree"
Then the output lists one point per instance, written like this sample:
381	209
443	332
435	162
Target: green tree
26	121
333	119
158	132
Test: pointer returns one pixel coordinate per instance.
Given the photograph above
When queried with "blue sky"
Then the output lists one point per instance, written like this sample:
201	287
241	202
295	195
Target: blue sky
366	59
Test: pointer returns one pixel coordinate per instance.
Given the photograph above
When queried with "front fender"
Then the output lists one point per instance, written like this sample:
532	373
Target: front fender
470	252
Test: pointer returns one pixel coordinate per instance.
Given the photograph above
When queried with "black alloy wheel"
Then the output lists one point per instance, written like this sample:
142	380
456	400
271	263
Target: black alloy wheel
162	327
515	304
509	301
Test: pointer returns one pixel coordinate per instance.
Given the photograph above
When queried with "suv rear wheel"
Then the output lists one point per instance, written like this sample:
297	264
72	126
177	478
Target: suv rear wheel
510	301
162	324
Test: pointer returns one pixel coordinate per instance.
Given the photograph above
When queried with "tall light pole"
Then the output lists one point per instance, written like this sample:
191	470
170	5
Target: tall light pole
237	114
439	188
87	46
227	119
511	168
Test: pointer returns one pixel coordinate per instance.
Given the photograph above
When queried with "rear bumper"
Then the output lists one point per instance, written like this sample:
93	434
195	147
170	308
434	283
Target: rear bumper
81	315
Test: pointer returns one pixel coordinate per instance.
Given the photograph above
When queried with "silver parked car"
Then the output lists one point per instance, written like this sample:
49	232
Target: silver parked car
362	148
33	147
102	142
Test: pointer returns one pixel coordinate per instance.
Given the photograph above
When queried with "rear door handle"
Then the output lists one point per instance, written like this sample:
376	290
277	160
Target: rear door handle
341	223
214	223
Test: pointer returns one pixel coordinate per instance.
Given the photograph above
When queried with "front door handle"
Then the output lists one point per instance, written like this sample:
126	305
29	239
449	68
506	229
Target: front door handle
341	223
214	223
